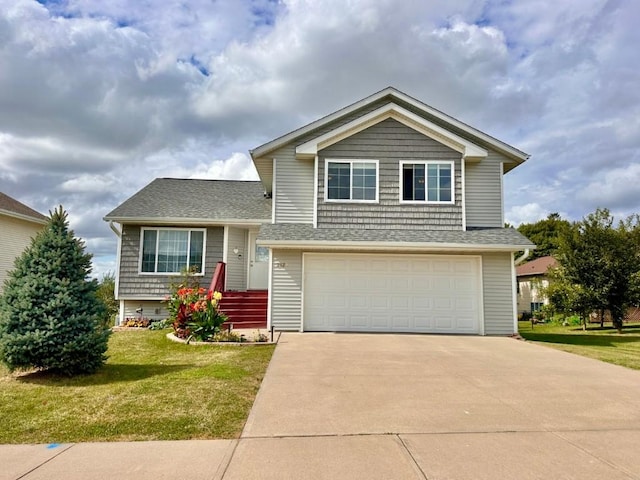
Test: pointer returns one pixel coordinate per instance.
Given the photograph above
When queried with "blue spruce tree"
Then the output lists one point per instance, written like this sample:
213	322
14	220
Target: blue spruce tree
50	316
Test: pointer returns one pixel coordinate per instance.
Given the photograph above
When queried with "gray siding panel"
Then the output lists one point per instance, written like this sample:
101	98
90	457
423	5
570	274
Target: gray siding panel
293	187
237	266
153	310
483	187
286	290
498	293
134	285
390	142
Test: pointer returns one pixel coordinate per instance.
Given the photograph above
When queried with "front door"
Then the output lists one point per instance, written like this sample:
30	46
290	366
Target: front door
258	264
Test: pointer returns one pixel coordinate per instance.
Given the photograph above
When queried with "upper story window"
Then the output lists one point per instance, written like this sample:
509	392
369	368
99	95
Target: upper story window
172	250
351	180
426	182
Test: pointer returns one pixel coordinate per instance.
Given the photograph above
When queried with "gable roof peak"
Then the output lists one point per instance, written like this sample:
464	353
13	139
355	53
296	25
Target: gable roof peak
445	120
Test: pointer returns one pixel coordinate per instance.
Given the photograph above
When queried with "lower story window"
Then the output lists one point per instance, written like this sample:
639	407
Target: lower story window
172	250
536	306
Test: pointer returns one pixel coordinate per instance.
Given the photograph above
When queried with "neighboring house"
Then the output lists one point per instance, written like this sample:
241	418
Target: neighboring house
18	225
385	216
532	278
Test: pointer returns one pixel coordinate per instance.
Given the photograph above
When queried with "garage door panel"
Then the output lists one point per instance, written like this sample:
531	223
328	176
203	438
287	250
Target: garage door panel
400	322
403	293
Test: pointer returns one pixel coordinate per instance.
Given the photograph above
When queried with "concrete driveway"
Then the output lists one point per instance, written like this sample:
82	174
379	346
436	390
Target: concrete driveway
394	407
438	407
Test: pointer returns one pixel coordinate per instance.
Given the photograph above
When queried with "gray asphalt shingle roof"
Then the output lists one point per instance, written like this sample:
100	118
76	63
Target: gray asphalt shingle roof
13	206
173	198
304	233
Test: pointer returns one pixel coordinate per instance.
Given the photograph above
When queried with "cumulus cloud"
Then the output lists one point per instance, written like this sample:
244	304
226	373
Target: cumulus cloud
98	98
529	213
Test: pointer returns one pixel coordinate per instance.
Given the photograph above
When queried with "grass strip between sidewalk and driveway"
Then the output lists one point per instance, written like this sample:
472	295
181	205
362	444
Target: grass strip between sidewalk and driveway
604	344
150	389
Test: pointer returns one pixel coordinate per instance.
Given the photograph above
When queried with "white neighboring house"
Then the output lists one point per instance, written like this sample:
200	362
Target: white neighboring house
532	278
18	225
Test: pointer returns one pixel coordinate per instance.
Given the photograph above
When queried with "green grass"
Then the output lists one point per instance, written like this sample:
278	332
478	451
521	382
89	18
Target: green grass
150	389
604	344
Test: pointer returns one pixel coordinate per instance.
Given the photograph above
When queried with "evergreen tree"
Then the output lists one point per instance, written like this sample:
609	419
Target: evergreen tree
50	316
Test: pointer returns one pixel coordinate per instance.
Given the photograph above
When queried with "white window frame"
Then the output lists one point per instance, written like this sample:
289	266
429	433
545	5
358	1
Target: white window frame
402	163
158	229
350	161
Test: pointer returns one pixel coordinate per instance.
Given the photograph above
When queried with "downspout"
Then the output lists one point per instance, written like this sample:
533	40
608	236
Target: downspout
115	229
522	257
117	282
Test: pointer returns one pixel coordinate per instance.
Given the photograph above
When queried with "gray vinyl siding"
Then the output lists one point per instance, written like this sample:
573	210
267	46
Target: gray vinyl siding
237	265
390	142
153	310
286	290
134	285
483	186
498	293
293	179
293	187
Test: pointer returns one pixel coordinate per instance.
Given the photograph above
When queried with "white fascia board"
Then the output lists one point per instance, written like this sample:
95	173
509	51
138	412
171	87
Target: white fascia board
468	149
26	218
397	246
187	221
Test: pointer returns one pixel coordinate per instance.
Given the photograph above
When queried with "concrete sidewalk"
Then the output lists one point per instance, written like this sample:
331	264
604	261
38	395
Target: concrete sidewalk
395	407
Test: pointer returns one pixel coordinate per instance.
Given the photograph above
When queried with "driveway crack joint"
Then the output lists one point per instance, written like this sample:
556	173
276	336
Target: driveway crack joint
413	459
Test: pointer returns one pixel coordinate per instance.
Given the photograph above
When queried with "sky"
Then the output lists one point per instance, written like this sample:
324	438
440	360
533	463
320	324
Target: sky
98	98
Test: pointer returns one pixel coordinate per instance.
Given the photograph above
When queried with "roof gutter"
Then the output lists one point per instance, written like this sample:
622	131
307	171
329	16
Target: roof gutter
20	216
187	221
398	246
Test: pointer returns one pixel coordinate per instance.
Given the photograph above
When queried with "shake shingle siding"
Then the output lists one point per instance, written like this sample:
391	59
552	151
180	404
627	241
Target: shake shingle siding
389	142
132	284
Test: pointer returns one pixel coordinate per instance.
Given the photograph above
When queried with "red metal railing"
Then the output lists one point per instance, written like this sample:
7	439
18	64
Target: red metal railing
217	282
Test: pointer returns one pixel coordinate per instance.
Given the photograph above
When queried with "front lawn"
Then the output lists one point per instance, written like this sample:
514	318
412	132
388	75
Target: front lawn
150	389
604	344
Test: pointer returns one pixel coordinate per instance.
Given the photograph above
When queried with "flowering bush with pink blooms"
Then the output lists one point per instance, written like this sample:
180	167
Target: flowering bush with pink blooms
194	313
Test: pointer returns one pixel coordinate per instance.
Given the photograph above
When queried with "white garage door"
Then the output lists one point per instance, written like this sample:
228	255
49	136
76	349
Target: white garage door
392	293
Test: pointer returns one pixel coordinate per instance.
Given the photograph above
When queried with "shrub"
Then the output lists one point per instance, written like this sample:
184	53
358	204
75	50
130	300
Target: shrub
136	322
194	313
50	316
160	324
106	293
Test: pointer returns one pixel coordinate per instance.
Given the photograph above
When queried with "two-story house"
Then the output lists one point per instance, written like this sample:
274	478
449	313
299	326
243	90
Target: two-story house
385	216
